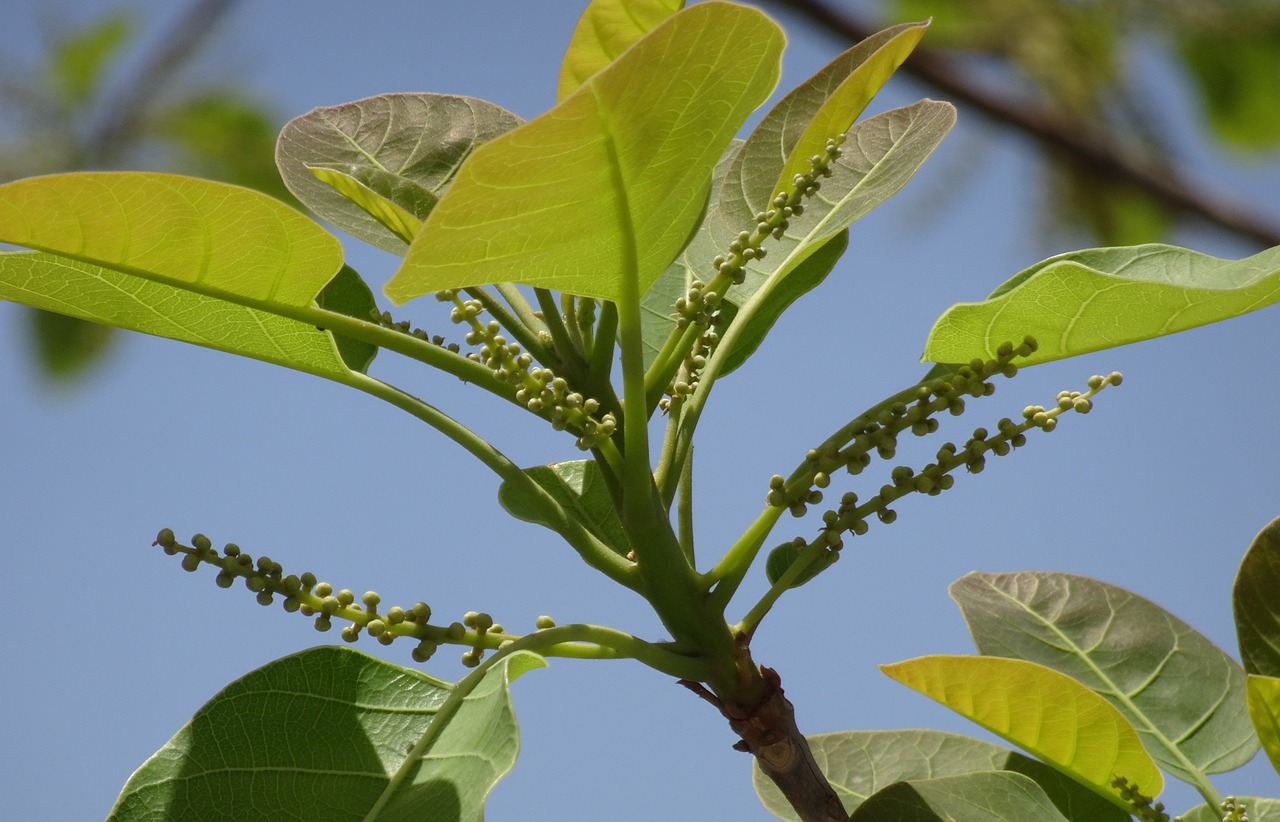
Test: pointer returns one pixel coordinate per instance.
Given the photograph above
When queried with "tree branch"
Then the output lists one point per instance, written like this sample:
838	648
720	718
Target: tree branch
1088	149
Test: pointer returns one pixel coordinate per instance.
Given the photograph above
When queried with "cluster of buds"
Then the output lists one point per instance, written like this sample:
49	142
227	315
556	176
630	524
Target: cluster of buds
538	389
1140	805
306	595
690	371
384	319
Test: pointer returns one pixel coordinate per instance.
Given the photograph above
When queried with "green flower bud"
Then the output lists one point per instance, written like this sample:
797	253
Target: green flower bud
376	627
201	543
224	579
395	615
424	651
544	622
323	623
421	613
322	589
351	633
165	539
190	562
291	604
859	527
265	598
455	631
371	600
346	597
308	580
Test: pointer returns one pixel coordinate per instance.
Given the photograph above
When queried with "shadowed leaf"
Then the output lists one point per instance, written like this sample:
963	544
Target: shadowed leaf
1255	599
580	489
996	796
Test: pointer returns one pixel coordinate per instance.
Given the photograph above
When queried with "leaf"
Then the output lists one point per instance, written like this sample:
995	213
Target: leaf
1045	713
212	238
860	763
318	735
580	489
784	556
1263	698
1255	599
606	29
66	347
77	64
1104	297
997	796
1260	810
1237	72
399	221
1183	695
102	295
879	156
597	196
406	147
348	294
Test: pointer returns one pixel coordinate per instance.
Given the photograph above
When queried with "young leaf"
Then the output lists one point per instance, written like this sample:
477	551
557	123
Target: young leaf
105	296
212	238
1045	713
861	763
1100	298
405	147
382	207
606	29
1255	599
319	734
993	796
1183	694
598	195
1263	696
580	489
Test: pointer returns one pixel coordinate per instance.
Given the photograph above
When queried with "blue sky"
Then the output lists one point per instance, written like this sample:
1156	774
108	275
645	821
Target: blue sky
110	648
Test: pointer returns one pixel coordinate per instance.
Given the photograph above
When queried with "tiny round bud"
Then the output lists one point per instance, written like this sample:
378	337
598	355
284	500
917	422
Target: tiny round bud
308	580
1082	405
395	615
322	589
424	650
376	627
544	622
346	597
166	539
1096	381
859	527
455	631
201	543
190	562
421	612
322	623
471	659
265	598
371	600
224	579
351	633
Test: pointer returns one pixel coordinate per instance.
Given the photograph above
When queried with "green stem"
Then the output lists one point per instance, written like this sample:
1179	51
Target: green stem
526	336
520	306
732	568
806	557
605	346
684	511
593	552
560	337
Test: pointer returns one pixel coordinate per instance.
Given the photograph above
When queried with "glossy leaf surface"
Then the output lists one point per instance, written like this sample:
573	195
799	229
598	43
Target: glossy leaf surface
319	735
598	195
1100	298
1255	599
405	147
861	763
580	489
606	29
996	796
1045	713
1182	693
211	238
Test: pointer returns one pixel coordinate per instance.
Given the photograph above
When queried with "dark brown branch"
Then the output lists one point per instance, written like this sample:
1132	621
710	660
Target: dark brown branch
1102	157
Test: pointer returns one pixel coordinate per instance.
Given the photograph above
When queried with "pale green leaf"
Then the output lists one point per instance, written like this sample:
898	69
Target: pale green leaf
597	196
318	735
1100	298
212	238
606	29
1260	810
405	147
993	796
105	296
1255	599
391	216
1047	714
860	763
1182	693
580	489
77	64
1263	697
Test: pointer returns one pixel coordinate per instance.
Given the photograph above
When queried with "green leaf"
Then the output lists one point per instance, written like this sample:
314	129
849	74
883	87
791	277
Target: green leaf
861	763
784	556
347	293
1255	599
1045	713
383	208
1238	76
212	238
405	147
606	29
319	735
102	295
66	347
994	796
597	196
580	489
1100	298
1263	698
77	64
1183	694
1260	810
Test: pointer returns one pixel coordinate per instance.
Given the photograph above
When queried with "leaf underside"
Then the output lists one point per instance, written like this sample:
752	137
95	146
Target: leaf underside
1255	599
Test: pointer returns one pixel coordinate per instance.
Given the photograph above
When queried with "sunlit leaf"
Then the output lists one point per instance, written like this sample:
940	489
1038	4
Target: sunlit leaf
1085	301
860	763
1045	713
211	238
580	489
993	796
1255	599
1182	693
1263	696
405	147
606	29
598	195
399	221
319	735
102	295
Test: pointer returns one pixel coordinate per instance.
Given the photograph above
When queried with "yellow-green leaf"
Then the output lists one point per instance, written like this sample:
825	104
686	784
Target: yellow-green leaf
606	29
391	216
212	238
1262	694
1046	713
597	196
